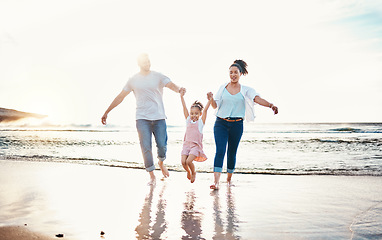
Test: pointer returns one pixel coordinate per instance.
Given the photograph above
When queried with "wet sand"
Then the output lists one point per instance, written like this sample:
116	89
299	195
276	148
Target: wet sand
20	233
80	201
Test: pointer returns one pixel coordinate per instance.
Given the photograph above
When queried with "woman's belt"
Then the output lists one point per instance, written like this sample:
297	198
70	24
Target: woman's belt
233	119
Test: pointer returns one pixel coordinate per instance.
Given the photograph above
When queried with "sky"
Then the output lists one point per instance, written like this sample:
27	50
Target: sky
318	61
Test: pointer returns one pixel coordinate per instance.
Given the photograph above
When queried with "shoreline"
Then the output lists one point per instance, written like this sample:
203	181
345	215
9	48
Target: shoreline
100	163
80	201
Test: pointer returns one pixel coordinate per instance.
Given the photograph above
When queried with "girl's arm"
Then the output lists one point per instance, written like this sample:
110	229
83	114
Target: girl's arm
265	103
204	115
185	110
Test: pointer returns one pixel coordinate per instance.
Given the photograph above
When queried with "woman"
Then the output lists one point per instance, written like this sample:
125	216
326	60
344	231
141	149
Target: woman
234	102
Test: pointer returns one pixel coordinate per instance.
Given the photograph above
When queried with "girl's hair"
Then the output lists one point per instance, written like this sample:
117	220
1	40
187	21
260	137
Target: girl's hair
241	65
197	104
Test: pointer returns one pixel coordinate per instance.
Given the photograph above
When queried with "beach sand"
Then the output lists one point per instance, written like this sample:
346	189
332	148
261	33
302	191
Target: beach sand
44	199
20	233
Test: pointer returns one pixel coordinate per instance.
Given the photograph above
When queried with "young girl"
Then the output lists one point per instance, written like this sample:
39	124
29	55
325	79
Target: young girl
192	146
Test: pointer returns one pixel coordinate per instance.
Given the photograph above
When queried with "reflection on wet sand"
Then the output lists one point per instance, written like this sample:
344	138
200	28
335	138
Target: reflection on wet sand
191	219
226	222
232	226
144	230
232	220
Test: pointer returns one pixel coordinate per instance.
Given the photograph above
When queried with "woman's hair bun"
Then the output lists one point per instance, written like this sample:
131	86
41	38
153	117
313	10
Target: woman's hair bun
243	66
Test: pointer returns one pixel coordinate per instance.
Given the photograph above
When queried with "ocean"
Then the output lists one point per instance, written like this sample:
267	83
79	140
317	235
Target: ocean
352	149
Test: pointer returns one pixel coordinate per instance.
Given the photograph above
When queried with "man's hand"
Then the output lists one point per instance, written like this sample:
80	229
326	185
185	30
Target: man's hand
103	119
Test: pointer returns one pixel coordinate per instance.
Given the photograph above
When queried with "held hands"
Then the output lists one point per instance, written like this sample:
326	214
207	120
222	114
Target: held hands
182	91
210	95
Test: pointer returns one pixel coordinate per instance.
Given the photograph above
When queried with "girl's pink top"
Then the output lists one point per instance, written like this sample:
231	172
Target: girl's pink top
194	136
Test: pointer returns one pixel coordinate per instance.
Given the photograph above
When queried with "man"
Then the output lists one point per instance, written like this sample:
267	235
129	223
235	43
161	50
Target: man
148	87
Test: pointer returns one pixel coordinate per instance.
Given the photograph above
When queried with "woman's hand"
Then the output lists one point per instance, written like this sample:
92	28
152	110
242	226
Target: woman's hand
274	109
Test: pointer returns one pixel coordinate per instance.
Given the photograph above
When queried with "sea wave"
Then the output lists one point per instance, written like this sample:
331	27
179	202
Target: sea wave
355	130
285	149
316	140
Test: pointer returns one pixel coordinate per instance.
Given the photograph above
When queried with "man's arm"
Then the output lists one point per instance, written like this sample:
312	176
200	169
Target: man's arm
173	87
117	100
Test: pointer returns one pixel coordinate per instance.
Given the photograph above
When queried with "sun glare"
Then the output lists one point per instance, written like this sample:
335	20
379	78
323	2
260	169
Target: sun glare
45	111
39	107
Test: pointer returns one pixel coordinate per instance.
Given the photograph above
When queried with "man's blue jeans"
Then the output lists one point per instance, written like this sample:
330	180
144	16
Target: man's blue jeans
147	128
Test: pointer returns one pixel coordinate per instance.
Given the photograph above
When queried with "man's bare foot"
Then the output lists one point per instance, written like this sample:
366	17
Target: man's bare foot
152	182
215	186
164	169
230	184
193	177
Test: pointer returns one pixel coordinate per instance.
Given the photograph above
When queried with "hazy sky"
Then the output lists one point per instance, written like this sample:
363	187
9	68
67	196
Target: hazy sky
318	61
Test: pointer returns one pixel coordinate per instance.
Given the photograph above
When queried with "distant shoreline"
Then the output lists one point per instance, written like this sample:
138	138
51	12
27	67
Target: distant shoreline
169	125
10	115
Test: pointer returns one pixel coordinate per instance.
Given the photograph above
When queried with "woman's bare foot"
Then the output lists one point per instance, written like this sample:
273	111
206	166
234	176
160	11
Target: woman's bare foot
229	177
164	169
188	175
193	177
215	186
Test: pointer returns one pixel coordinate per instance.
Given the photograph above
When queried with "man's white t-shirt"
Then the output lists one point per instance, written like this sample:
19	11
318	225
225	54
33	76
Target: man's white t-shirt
148	91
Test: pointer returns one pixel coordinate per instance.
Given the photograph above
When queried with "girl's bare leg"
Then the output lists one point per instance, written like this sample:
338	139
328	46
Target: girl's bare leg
185	166
215	186
191	166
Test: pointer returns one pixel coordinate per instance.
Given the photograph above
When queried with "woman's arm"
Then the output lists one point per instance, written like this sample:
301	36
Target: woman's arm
265	103
185	110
